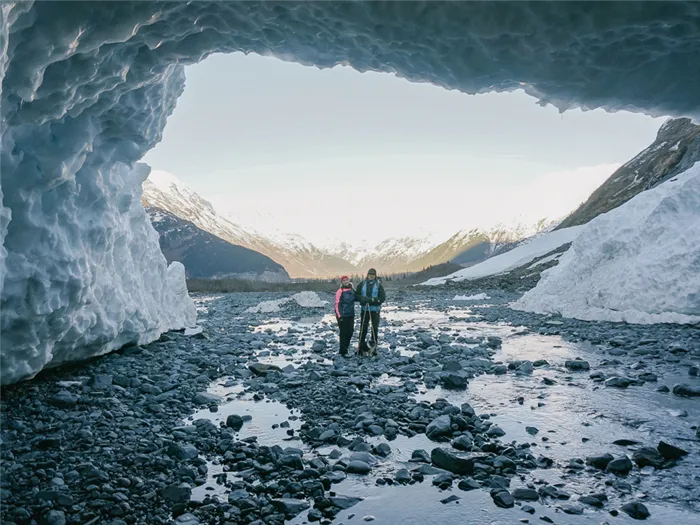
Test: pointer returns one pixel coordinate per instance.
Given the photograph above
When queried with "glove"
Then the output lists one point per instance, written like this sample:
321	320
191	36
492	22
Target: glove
375	300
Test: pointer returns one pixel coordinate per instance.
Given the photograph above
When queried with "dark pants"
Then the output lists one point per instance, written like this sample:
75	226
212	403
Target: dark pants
366	319
346	326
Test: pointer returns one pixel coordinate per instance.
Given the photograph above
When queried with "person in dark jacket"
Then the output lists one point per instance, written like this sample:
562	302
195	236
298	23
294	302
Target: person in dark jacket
371	296
345	312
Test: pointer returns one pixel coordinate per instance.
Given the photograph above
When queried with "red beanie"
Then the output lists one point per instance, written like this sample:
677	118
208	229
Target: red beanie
345	278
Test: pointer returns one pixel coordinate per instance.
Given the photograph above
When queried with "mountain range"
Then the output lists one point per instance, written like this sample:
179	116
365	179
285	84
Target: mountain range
166	198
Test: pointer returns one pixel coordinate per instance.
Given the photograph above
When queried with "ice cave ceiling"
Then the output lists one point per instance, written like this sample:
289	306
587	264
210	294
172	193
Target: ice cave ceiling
87	88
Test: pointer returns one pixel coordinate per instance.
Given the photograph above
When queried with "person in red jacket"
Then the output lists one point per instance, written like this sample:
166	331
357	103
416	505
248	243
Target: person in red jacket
345	312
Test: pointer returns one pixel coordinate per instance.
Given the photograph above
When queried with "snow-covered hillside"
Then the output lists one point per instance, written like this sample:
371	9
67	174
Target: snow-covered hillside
525	252
638	263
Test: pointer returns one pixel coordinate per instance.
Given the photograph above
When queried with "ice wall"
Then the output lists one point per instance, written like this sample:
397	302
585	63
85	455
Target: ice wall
638	263
88	87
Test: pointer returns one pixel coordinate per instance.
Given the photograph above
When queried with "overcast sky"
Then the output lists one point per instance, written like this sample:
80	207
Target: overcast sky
365	156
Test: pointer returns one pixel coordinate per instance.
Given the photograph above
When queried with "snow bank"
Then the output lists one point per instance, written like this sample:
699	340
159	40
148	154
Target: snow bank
524	253
477	297
638	263
101	284
303	299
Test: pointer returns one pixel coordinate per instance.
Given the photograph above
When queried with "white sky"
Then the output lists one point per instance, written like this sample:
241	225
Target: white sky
365	156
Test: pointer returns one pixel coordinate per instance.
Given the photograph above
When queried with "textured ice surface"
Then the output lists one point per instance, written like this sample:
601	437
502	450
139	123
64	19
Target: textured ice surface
475	297
638	263
88	86
303	299
524	253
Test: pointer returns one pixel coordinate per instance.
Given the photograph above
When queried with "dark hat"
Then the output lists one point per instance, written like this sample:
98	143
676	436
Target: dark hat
371	271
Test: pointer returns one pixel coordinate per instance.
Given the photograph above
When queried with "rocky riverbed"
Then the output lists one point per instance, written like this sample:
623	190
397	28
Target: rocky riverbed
471	413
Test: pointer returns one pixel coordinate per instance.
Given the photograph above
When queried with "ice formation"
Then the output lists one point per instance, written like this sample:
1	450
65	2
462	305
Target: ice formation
638	263
522	254
303	299
87	88
475	297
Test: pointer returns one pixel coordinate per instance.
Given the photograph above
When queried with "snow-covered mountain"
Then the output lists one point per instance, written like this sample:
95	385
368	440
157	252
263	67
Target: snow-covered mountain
299	257
206	256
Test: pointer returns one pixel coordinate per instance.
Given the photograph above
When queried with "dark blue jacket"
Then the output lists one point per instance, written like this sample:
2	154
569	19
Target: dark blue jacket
371	295
345	302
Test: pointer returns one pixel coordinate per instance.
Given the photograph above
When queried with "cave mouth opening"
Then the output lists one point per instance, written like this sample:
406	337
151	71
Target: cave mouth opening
87	88
256	137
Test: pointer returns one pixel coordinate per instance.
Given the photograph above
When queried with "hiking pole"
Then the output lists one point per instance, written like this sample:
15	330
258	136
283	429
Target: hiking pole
362	324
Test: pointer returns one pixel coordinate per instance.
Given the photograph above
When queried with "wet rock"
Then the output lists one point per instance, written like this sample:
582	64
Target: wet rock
570	508
499	370
647	456
449	499
439	428
234	421
358	467
445	460
663	388
454	380
382	450
290	506
64	399
205	398
577	365
526	494
443	481
670	452
495	431
503	498
467	410
184	452
262	369
526	368
494	342
187	519
636	510
420	455
462	443
177	493
344	502
599	462
100	381
468	484
54	517
402	476
528	508
684	390
591	500
620	466
531	430
618	382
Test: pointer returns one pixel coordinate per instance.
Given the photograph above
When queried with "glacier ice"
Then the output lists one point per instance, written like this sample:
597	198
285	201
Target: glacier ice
638	263
303	299
87	88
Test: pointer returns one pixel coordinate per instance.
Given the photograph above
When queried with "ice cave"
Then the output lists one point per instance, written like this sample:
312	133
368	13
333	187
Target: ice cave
87	88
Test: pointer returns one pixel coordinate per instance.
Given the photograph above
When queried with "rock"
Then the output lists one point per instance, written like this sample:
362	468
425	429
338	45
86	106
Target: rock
503	498
439	428
462	443
599	462
591	500
365	457
262	369
577	365
453	380
495	431
526	494
290	506
531	430
100	381
636	510
671	452
184	452
570	508
618	382
205	398
620	466
528	508
445	460
55	517
684	390
420	455
328	435
467	410
449	499
382	450
443	481
526	368
499	370
647	456
358	467
468	484
234	421
451	366
64	399
177	493
344	502
187	519
493	342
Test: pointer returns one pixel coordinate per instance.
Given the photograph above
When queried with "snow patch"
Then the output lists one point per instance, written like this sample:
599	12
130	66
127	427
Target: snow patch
476	297
544	260
303	299
638	263
521	255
